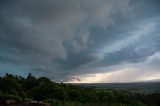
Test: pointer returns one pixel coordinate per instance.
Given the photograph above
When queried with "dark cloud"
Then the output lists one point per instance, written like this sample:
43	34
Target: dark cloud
62	38
41	27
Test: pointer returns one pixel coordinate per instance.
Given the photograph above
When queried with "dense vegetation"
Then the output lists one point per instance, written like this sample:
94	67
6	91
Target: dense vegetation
58	94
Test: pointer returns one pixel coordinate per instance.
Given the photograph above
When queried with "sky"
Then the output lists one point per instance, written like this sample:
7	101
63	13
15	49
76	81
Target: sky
81	41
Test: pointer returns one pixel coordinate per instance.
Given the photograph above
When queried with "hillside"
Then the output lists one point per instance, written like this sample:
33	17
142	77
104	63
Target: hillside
18	89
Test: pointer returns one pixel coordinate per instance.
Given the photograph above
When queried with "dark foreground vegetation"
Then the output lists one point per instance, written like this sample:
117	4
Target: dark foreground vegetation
16	88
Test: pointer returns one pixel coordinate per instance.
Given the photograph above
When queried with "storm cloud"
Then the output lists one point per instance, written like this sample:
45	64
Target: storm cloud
76	37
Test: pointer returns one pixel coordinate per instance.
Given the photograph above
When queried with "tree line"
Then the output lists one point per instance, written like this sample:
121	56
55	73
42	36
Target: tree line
18	88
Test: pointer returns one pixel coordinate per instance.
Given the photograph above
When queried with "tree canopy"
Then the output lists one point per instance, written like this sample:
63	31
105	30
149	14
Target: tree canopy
43	89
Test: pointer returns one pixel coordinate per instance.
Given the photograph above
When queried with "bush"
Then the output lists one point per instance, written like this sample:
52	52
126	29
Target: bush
4	97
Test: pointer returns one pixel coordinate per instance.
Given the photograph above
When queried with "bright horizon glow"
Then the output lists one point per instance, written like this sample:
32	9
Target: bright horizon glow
120	76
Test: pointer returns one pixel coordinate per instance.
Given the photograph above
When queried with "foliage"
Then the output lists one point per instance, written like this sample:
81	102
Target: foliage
59	94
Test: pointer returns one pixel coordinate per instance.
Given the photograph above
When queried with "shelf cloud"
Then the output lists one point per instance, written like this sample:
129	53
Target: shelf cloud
65	40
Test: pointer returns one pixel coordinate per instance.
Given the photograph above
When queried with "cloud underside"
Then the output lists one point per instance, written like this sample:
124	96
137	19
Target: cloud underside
81	39
147	70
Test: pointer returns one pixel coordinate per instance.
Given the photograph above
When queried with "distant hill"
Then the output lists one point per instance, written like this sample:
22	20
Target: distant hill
149	86
154	80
